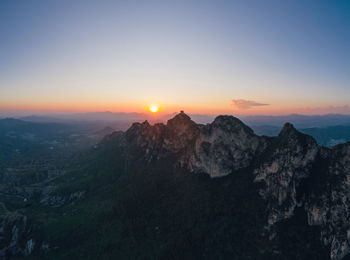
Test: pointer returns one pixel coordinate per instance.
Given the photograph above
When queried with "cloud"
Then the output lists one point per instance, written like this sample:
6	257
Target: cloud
246	104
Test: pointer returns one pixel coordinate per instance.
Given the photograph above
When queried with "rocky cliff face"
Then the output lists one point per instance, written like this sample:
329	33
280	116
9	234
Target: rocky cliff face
224	146
218	149
272	179
293	170
16	236
286	162
328	202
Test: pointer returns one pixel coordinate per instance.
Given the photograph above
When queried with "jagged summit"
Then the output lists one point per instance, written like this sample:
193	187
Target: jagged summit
291	137
158	182
283	163
181	120
181	116
145	122
289	133
231	123
288	128
219	148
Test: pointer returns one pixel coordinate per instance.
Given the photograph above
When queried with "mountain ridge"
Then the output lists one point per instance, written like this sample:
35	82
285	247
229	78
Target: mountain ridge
282	163
183	190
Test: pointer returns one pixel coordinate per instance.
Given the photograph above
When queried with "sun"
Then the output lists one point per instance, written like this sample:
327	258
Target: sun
154	108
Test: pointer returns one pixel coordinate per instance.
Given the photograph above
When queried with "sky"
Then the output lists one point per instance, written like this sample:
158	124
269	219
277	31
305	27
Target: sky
210	57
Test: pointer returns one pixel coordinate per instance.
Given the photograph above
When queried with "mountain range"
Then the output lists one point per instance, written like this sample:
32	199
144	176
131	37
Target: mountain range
183	190
298	120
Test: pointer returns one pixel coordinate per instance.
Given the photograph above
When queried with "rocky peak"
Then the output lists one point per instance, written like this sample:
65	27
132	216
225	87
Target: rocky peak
231	124
180	133
218	148
138	126
181	124
299	174
288	129
285	163
291	138
159	140
138	130
295	172
180	118
145	123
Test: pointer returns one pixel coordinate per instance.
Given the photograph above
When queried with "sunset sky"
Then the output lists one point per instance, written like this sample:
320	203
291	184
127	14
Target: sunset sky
233	57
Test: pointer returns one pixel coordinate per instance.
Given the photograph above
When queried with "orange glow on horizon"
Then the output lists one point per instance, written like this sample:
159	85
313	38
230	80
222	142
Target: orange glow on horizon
213	108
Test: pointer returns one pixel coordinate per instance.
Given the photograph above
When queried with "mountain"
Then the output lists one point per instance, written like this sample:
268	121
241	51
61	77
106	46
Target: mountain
86	117
299	121
325	136
328	130
184	190
290	166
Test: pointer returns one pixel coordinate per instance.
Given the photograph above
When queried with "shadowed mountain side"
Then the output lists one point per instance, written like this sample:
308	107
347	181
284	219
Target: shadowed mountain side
282	164
183	190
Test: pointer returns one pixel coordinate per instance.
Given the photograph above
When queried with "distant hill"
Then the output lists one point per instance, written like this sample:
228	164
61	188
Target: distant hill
329	136
325	136
328	130
90	116
299	121
24	140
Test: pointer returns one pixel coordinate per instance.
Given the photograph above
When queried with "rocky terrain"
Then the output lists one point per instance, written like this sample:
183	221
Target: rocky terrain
295	171
187	191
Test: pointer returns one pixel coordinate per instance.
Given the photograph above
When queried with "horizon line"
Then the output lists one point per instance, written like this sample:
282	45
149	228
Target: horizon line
61	113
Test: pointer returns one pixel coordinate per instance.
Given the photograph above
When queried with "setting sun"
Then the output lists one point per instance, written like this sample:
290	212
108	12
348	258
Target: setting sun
153	108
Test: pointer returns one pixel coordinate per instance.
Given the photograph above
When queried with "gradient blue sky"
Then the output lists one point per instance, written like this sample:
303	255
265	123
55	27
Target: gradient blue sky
244	57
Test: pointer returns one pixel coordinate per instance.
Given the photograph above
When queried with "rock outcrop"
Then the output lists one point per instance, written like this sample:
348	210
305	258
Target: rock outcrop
328	201
218	148
290	172
16	237
286	162
294	171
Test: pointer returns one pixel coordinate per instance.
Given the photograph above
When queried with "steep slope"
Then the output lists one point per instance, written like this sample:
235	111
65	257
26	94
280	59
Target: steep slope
218	149
328	199
186	191
289	166
286	162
